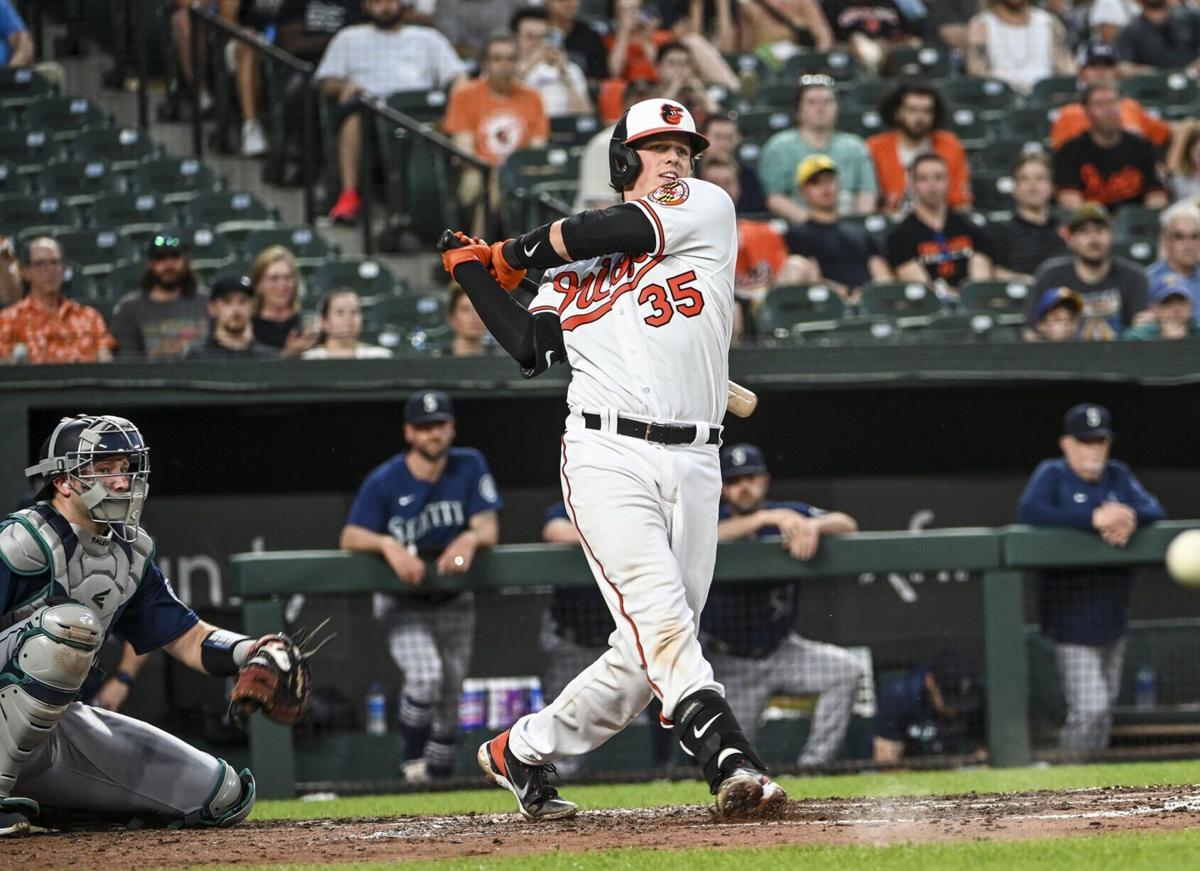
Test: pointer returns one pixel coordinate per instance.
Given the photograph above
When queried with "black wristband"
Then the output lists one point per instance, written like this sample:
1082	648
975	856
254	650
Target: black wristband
124	677
219	652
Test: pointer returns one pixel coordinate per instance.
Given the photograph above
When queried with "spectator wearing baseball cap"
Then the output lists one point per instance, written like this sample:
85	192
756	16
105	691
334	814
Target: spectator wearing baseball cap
1114	290
747	628
168	315
1174	311
837	254
1085	611
816	133
1099	64
231	305
1057	316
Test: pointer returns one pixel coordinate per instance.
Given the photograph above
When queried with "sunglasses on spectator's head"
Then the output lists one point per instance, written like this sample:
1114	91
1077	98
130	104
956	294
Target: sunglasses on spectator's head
816	80
165	246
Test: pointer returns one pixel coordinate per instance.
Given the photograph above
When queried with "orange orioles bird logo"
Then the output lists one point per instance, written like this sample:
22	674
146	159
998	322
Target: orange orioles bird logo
671	113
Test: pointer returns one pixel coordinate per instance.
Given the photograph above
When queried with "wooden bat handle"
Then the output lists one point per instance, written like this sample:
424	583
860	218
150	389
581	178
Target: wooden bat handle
742	401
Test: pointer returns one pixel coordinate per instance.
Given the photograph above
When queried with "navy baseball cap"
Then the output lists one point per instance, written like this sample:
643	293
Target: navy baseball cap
428	406
1053	297
1097	53
1165	288
230	283
739	460
165	245
1088	421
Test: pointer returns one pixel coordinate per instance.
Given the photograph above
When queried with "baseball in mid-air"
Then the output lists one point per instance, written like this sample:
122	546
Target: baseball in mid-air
1183	558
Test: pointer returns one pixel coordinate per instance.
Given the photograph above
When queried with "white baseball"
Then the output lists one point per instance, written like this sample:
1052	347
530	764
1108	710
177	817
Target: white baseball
1183	558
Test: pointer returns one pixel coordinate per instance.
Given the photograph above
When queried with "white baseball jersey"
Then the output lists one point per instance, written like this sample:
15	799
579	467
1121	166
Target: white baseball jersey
649	335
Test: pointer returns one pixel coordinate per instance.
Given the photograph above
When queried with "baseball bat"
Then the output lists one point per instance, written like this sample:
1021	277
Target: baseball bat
741	400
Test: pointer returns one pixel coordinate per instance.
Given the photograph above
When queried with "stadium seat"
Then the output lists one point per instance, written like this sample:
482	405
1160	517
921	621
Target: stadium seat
30	150
837	64
990	99
958	328
758	125
527	172
909	303
310	248
877	225
80	182
571	130
120	280
1001	154
992	191
123	148
861	95
95	252
798	308
66	117
1004	301
1029	123
1136	221
136	215
426	105
918	61
175	179
972	128
38	214
22	86
857	330
12	182
1054	91
207	250
1142	251
866	123
780	96
402	314
229	212
369	278
1161	91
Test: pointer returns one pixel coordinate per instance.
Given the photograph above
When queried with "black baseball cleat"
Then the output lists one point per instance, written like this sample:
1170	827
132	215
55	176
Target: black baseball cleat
15	814
536	799
748	793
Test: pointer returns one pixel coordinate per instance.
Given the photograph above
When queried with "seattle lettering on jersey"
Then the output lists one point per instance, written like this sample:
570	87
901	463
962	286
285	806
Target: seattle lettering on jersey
435	515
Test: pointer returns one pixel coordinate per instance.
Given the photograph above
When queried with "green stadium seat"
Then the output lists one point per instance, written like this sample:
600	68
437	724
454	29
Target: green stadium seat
66	117
402	314
22	86
120	280
972	128
837	64
866	123
229	212
877	225
1137	221
799	308
30	150
1054	91
135	215
870	329
367	277
918	61
571	130
860	95
12	182
1161	91
124	147
426	105
908	303
1029	123
990	99
1001	154
759	125
37	214
1142	251
1004	301
94	252
80	182
780	96
175	179
310	248
529	171
992	191
950	328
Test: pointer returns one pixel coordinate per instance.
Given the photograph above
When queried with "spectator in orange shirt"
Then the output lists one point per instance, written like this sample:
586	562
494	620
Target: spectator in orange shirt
916	113
495	116
762	260
1100	66
50	327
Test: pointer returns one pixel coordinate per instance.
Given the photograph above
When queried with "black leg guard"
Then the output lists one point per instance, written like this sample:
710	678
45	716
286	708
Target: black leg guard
708	732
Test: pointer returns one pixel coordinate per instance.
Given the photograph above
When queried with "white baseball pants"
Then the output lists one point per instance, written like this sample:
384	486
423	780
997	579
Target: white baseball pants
647	514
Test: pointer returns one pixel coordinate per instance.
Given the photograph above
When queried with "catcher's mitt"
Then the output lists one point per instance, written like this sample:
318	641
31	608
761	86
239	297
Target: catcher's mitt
274	679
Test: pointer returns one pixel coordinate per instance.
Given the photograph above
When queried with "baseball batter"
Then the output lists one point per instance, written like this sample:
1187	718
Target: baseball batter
638	298
74	567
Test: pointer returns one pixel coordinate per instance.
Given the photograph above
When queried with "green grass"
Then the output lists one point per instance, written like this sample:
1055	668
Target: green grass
1160	852
494	800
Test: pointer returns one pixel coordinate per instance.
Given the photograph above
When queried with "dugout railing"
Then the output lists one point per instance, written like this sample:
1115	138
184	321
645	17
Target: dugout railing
263	580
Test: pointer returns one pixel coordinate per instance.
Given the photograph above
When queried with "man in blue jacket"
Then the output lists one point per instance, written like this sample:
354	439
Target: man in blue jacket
1085	611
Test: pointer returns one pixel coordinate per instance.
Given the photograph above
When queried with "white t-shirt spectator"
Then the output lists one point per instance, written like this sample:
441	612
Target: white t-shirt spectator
412	58
595	192
545	79
1117	12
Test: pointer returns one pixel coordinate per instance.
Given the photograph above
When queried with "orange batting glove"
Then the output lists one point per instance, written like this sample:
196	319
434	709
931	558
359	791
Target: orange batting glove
506	276
471	250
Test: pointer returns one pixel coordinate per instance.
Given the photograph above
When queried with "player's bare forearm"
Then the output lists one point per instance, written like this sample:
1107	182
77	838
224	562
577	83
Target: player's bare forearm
835	523
485	526
186	648
744	526
131	661
359	538
562	531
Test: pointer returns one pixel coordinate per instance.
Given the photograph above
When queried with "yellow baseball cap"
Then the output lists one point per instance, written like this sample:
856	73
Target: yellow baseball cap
812	165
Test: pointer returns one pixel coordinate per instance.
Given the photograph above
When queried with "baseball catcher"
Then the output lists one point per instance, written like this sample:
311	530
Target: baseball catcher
74	567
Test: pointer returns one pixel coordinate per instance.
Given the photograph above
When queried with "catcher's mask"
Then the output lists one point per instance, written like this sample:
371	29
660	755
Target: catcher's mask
71	451
643	120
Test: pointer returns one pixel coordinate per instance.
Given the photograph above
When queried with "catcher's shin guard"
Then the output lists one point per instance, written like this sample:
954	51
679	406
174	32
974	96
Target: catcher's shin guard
231	801
52	657
708	732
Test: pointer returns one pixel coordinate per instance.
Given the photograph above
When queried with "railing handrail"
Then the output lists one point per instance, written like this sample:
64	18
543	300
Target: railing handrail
249	37
424	129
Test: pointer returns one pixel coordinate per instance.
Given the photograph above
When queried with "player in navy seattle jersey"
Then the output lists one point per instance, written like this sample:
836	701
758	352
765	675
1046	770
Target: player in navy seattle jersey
748	629
432	502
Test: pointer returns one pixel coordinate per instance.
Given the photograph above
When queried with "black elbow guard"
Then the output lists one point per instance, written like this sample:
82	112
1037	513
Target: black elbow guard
545	345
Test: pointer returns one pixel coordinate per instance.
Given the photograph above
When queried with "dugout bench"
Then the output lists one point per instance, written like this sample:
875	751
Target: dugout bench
263	580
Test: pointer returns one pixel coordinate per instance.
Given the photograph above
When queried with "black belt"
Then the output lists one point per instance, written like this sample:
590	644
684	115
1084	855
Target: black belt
662	433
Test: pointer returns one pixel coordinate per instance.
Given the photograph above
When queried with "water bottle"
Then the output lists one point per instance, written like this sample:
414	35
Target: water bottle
1145	688
376	711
